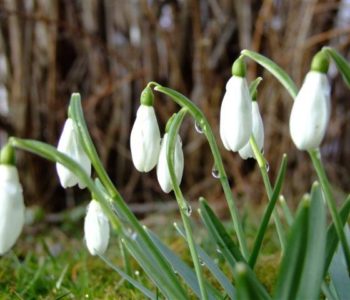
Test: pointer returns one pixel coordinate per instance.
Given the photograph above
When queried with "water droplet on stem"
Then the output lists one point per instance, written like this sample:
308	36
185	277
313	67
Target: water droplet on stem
215	172
198	127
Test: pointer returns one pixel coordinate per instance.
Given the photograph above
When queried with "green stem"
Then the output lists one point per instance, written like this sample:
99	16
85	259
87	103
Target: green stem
50	153
263	170
126	261
77	114
183	205
286	210
326	187
199	117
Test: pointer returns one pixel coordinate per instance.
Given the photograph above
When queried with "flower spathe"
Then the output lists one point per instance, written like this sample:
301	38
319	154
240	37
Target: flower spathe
96	229
69	144
311	112
11	207
257	131
236	114
145	139
163	174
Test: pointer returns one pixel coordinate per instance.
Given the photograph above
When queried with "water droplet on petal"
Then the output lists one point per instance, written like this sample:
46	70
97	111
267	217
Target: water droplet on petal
215	172
198	127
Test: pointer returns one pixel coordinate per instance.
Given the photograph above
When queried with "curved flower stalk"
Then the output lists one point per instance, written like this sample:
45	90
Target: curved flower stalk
69	144
236	110
11	202
163	174
257	131
145	135
96	229
311	110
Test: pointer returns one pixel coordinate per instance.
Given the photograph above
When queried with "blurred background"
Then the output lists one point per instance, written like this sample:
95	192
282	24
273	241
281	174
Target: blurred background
109	50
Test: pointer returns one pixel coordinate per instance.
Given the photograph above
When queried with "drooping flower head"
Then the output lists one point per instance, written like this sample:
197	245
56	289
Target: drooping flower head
163	174
257	131
145	135
236	110
96	229
69	144
11	201
311	109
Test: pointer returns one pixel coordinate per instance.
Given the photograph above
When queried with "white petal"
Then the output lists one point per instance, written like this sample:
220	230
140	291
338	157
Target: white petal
236	114
258	132
96	229
163	174
11	207
145	139
70	145
311	111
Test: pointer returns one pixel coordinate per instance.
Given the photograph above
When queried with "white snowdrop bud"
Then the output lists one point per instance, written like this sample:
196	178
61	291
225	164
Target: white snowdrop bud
258	133
163	174
96	229
311	110
236	110
69	144
145	135
11	207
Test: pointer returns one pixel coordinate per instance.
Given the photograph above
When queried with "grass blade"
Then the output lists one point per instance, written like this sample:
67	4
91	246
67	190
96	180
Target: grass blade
268	212
212	267
332	237
248	287
338	271
128	278
312	275
184	270
293	259
219	234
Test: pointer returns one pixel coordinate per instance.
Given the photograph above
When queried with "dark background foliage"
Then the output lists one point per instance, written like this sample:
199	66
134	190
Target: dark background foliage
109	50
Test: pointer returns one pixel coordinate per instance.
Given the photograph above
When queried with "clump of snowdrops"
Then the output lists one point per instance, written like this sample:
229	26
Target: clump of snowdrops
315	255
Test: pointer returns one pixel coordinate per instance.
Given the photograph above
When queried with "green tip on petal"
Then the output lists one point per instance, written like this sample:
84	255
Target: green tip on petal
7	155
320	62
239	67
147	97
170	121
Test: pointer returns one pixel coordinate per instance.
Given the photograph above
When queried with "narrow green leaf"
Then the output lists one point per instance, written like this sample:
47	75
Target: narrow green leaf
138	249
338	271
248	286
268	212
274	69
312	275
212	267
181	268
332	237
254	85
128	278
219	234
341	63
293	259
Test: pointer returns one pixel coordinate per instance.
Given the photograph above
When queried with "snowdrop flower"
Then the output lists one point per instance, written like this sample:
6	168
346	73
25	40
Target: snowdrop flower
311	110
69	144
236	110
145	135
257	131
96	229
163	173
11	204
